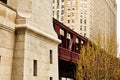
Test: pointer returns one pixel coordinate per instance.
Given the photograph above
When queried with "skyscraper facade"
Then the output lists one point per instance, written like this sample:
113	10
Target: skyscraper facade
87	17
75	14
103	19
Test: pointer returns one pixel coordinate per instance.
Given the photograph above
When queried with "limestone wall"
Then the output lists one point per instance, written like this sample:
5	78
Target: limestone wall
35	37
36	13
7	27
29	47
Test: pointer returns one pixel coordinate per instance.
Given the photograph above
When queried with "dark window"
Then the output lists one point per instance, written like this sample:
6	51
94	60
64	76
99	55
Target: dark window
62	12
53	7
73	8
5	1
80	20
68	21
62	6
0	58
80	27
51	78
53	13
35	67
84	21
51	57
57	3
68	15
85	34
68	9
53	1
62	19
57	14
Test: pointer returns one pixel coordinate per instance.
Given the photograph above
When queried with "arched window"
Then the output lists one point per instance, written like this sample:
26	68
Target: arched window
5	1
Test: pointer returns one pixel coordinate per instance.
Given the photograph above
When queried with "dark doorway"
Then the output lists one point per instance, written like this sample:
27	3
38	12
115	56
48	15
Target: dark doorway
66	69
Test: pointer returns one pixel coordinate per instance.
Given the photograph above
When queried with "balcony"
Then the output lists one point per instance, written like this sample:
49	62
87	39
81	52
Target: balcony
67	55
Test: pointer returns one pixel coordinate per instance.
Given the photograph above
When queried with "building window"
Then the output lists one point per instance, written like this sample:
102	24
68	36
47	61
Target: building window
0	58
84	28
81	14
68	9
53	1
57	3
80	27
84	21
68	21
80	20
62	32
62	19
85	34
68	15
62	6
73	8
62	12
35	67
57	14
53	7
53	13
62	0
72	20
5	1
68	35
51	57
51	78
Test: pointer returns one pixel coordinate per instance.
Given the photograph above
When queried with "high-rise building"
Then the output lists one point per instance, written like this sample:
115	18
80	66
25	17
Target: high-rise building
67	12
75	14
103	20
87	17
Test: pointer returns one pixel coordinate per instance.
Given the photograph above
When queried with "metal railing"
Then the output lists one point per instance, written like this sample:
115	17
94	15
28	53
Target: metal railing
67	55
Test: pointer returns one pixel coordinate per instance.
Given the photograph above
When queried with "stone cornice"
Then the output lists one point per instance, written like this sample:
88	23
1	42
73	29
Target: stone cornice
29	27
6	28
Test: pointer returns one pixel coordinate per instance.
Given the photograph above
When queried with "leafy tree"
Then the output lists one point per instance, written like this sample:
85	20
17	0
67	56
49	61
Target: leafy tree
97	61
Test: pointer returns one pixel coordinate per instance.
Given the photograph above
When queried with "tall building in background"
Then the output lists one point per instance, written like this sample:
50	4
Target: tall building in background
104	16
87	17
73	13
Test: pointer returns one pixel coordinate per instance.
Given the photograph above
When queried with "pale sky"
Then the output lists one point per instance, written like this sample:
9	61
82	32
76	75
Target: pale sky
118	23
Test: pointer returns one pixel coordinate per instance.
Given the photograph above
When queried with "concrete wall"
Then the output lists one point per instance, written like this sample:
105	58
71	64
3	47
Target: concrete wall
7	27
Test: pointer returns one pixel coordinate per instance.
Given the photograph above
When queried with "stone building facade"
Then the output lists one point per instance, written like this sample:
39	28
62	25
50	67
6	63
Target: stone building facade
28	42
